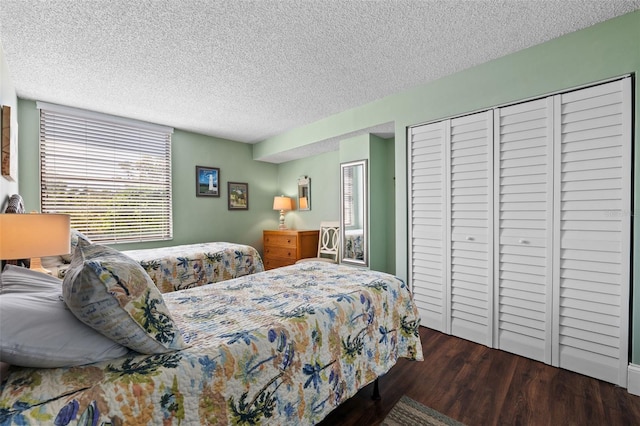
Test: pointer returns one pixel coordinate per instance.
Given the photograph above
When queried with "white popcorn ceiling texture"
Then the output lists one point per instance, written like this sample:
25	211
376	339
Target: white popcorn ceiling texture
249	70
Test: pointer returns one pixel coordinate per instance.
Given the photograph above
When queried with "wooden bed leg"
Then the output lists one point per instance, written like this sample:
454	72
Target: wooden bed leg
376	391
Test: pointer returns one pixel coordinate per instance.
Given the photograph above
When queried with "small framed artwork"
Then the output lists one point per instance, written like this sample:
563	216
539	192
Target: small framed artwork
238	195
207	181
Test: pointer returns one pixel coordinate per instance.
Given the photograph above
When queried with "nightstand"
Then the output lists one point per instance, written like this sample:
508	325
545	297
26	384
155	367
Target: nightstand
285	247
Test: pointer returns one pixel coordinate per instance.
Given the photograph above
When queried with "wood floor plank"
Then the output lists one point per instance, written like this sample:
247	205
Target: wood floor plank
477	385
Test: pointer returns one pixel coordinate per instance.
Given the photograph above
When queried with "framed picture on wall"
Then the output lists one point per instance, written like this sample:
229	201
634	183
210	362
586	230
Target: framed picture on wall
238	195
207	181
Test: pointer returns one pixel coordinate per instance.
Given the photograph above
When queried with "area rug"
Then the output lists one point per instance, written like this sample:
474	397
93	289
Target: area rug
408	412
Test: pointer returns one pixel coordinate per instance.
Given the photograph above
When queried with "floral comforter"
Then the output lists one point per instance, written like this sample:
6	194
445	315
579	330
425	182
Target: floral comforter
284	346
179	267
190	265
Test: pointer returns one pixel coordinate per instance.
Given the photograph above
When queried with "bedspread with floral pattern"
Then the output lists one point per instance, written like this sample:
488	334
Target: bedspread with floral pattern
284	346
178	267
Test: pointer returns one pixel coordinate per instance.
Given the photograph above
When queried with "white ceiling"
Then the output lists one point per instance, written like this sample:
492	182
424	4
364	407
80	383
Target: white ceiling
248	70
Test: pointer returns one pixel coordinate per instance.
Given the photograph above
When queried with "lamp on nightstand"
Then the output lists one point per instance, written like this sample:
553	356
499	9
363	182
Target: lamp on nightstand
33	235
283	204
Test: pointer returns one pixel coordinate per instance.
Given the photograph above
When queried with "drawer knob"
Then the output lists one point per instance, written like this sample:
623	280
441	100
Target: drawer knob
523	242
470	238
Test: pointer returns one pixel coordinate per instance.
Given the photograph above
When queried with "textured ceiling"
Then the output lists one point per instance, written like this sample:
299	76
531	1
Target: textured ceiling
248	70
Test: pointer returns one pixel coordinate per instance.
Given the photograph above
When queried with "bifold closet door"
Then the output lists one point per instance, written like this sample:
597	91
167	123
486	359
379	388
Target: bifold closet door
593	226
428	243
451	164
524	221
470	208
520	228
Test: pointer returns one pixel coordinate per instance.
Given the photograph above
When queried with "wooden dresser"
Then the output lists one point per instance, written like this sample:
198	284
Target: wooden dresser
282	248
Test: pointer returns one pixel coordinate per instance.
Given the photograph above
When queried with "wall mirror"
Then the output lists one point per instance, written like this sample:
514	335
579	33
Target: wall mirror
353	212
304	193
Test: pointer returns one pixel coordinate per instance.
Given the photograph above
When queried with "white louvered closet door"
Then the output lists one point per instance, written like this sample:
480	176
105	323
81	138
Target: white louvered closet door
524	221
428	223
592	220
470	207
520	228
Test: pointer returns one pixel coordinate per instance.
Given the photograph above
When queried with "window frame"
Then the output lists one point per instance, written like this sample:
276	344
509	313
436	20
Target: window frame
130	198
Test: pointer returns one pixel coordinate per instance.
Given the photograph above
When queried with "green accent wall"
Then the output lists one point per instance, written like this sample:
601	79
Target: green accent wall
391	205
324	171
603	51
195	219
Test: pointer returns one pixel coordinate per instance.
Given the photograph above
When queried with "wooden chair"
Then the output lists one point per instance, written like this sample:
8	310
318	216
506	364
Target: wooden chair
328	243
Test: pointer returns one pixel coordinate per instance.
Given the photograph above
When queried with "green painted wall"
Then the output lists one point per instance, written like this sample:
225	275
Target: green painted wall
324	171
391	205
379	198
603	51
195	219
354	148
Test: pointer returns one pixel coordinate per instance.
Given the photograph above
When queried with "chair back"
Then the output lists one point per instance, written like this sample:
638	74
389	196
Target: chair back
329	241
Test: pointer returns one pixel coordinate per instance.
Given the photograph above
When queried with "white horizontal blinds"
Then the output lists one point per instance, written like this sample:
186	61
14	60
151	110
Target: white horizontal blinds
524	240
593	143
111	175
428	242
471	209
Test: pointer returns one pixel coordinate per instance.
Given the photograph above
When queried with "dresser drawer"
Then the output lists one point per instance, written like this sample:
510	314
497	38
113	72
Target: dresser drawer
280	252
281	241
270	263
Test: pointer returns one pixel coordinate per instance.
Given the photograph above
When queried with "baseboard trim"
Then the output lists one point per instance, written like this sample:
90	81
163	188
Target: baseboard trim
633	379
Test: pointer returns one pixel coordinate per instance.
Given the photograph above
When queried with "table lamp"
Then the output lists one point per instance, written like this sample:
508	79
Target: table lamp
32	235
283	204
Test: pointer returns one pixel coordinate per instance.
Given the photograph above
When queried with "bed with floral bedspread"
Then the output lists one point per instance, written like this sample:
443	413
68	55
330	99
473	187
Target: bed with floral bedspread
284	346
184	266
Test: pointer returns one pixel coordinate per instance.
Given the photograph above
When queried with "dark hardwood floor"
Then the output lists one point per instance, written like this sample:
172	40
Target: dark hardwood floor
477	385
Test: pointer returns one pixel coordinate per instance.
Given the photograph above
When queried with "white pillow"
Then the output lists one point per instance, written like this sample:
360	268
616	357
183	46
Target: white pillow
38	330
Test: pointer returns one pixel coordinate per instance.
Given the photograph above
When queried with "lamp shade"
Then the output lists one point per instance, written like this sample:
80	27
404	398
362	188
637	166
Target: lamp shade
33	235
282	203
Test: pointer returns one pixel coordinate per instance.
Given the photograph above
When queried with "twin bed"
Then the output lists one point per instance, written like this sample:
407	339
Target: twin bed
184	266
285	346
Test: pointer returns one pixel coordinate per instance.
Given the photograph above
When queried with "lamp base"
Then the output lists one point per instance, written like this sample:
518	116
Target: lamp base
36	265
282	226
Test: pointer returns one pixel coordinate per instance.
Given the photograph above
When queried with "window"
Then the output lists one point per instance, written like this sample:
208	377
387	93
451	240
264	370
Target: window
112	175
